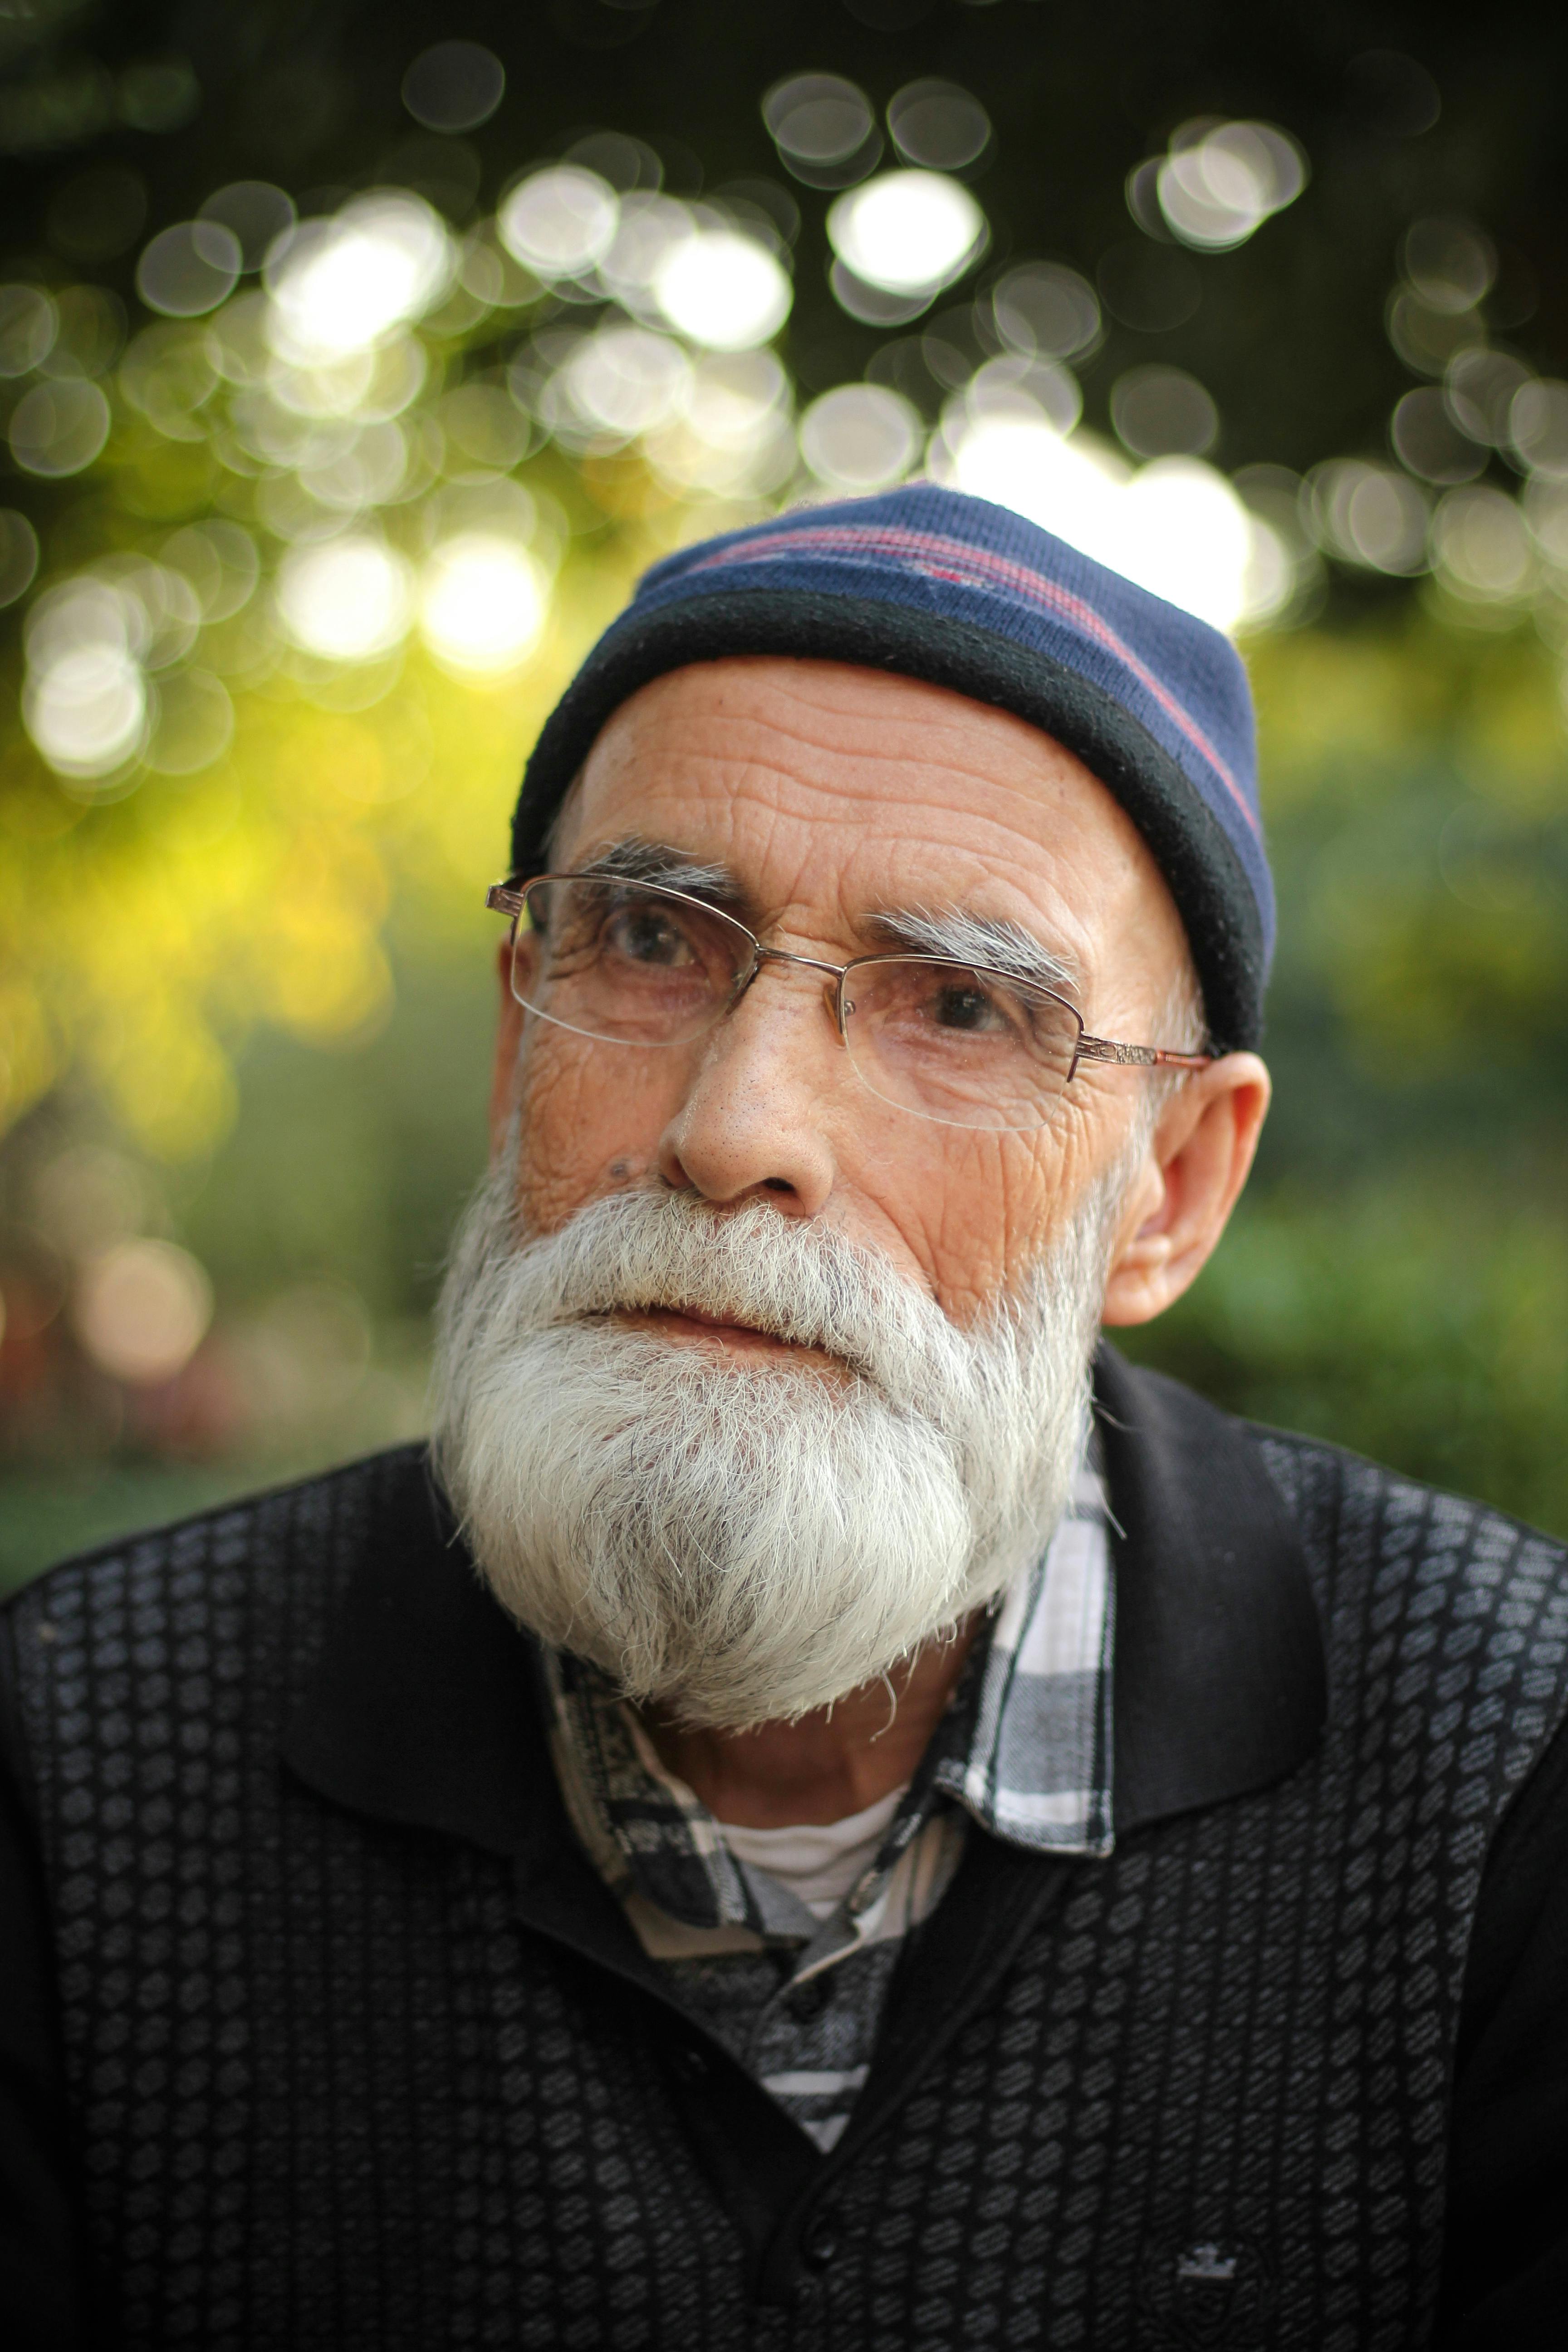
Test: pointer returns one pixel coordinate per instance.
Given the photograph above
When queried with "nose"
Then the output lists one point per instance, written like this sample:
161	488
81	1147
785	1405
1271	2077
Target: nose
755	1119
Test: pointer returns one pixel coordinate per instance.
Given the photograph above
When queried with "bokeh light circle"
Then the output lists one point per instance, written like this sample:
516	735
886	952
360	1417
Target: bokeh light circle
1538	427
341	285
723	291
454	85
81	611
627	379
1067	486
142	1310
483	604
1220	183
1546	512
559	221
189	269
18	555
1373	516
157	609
861	437
28	325
824	127
1429	341
1448	263
256	214
1482	545
92	327
1164	412
1037	391
937	126
59	428
908	232
347	600
1479	391
86	709
1046	310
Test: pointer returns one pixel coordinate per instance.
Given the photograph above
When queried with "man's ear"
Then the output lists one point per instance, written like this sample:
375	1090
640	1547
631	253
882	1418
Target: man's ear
1198	1160
509	1039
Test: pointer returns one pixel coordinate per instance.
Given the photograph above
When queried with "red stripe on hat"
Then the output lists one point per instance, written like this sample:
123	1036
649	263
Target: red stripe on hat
933	555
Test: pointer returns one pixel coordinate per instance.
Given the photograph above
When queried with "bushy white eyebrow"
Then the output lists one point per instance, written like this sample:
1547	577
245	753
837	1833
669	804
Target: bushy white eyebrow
978	938
633	859
966	938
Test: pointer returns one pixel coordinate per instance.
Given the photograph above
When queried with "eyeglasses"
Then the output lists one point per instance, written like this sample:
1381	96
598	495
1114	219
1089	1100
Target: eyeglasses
635	964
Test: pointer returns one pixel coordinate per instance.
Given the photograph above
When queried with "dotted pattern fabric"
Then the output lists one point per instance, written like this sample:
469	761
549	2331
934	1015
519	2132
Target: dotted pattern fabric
330	2092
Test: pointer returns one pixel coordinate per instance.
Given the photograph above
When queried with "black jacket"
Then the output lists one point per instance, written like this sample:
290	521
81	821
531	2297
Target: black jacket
318	2029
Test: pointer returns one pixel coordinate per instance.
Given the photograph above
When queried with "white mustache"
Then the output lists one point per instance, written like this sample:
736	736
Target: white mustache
804	1284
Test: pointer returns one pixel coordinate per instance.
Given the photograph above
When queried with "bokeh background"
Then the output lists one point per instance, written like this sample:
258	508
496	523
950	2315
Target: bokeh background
354	360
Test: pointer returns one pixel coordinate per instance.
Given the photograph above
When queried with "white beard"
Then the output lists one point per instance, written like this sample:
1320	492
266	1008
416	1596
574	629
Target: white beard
745	1541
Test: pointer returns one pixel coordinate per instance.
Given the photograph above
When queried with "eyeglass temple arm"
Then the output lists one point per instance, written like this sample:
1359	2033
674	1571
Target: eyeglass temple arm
503	900
1145	1057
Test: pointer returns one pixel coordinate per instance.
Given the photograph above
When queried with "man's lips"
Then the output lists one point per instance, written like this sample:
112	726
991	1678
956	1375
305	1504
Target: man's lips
695	1320
685	1323
713	1322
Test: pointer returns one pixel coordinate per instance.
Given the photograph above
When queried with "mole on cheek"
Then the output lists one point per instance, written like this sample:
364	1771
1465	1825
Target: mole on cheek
620	1169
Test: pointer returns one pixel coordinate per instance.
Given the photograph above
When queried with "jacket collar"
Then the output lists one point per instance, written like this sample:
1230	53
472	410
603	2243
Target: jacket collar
424	1708
1220	1682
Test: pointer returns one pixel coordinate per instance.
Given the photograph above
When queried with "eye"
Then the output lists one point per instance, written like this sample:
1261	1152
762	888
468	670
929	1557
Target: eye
647	934
963	1004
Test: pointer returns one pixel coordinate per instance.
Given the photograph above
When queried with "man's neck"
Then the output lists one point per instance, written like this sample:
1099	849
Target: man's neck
827	1765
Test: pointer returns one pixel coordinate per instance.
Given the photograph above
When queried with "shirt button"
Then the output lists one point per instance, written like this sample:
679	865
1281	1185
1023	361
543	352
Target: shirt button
820	2244
803	2003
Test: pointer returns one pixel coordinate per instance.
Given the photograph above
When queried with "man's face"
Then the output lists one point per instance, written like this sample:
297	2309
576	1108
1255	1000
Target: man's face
751	1384
833	796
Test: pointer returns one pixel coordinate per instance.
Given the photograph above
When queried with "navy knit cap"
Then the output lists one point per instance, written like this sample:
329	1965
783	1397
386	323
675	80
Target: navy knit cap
947	588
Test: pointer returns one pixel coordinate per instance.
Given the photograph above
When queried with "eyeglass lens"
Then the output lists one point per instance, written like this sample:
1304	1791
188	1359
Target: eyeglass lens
635	965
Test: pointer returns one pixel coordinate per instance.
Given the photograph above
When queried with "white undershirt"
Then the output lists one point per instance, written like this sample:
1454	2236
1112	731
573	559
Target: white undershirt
820	1861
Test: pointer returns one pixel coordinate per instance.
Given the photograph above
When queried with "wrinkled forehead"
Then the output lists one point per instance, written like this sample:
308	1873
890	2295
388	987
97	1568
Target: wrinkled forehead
824	785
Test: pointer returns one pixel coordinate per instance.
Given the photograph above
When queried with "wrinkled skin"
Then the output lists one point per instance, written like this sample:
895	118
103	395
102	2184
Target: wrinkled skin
832	792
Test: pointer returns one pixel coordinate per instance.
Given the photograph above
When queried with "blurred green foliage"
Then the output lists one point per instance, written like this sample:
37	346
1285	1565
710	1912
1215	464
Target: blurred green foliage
1422	1322
1397	1277
245	1010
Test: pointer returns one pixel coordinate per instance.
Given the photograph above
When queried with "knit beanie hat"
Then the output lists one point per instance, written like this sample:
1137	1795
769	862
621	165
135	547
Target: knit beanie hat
937	585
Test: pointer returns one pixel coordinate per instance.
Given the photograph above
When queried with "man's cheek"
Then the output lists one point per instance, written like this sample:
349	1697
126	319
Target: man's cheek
995	1214
582	1135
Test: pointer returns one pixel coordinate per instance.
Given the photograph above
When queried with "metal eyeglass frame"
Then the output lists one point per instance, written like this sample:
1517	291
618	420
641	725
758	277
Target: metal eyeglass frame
511	898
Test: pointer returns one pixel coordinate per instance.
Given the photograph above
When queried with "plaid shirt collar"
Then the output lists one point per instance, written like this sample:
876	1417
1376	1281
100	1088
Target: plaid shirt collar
1024	1748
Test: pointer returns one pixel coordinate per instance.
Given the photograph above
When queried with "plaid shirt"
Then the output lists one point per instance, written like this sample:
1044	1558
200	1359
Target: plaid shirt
1024	1749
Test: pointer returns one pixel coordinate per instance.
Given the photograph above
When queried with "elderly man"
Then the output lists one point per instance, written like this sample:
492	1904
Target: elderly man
915	1835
